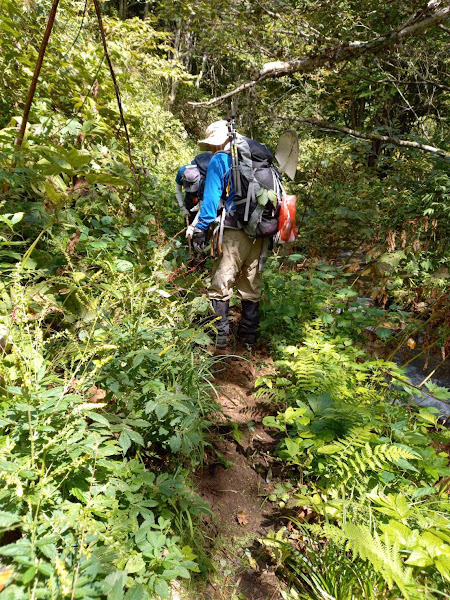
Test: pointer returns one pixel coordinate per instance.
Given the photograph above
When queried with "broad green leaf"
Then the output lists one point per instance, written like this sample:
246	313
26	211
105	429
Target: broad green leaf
329	449
106	179
162	588
123	266
135	437
347	293
96	417
419	557
135	563
292	447
78	158
137	592
405	464
7	519
124	441
384	332
61	162
29	575
161	411
45	568
21	548
175	443
263	197
16	218
443	566
127	231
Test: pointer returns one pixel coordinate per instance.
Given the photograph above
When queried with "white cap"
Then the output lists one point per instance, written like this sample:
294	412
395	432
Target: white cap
216	134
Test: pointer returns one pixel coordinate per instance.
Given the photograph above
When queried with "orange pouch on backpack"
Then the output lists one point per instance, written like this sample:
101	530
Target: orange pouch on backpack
287	231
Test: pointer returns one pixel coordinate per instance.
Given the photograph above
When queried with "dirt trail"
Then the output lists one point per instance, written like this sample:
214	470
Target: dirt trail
235	482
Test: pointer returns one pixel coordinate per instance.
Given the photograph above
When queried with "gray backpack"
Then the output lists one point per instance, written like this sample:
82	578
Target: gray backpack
258	204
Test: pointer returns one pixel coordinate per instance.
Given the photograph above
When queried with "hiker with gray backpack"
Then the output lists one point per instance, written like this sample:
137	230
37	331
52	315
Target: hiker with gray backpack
189	186
241	203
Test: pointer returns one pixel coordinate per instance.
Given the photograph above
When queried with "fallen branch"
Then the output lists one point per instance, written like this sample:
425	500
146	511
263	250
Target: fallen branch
434	13
409	384
386	139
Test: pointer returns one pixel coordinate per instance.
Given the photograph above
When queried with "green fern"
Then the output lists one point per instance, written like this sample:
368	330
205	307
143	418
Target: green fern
354	455
312	370
382	552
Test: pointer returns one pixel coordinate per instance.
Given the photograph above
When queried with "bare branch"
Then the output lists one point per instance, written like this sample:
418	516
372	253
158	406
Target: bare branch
268	12
386	139
433	14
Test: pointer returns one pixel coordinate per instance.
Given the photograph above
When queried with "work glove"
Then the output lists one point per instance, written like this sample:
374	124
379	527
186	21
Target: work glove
190	232
185	211
199	240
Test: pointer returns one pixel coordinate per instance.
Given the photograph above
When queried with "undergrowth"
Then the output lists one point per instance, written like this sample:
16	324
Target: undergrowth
104	409
368	468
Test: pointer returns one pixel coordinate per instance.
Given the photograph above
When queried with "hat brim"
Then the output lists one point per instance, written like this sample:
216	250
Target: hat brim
217	139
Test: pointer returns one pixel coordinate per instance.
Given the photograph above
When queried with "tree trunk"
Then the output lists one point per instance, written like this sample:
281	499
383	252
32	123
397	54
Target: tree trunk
123	9
175	54
373	155
202	70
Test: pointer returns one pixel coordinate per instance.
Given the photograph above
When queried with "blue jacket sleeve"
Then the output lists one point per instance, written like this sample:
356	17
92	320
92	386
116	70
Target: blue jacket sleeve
214	187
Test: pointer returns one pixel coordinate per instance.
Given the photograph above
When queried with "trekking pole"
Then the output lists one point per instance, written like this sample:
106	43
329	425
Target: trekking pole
234	151
186	217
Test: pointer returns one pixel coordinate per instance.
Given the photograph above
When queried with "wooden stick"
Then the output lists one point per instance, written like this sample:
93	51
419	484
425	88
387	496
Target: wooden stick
116	86
37	70
98	12
189	239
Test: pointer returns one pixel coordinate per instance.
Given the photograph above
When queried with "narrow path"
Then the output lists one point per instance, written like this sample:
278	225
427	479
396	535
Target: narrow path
236	480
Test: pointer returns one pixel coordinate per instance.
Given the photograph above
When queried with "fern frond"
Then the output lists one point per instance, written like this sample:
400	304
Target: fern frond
382	553
354	455
312	370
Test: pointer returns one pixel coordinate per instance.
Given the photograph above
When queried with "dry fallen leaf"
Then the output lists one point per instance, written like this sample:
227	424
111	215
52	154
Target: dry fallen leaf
73	242
242	518
95	394
5	575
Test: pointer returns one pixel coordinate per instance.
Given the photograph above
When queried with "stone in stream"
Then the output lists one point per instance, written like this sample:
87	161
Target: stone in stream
416	372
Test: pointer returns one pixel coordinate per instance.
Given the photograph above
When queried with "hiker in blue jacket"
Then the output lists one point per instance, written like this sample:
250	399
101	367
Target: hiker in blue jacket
238	259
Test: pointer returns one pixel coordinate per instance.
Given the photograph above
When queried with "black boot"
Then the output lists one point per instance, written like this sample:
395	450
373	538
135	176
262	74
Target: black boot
248	327
222	325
